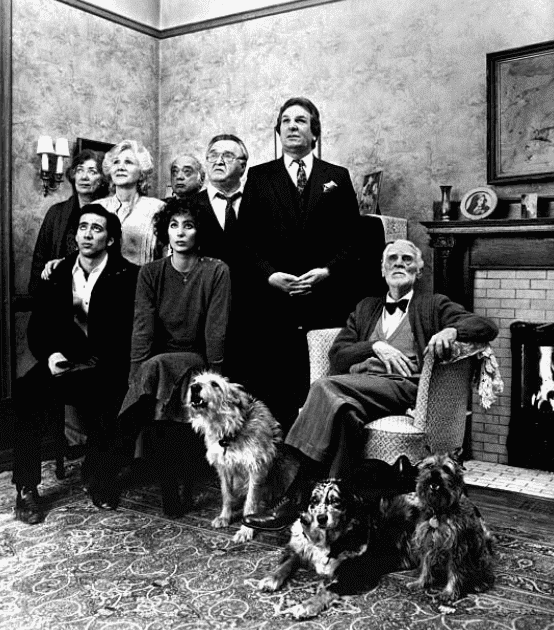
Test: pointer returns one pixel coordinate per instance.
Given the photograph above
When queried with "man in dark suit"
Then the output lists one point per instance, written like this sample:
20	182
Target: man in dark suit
80	333
299	226
219	203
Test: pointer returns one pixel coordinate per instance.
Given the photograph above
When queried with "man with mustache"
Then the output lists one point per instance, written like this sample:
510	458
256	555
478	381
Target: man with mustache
299	225
375	361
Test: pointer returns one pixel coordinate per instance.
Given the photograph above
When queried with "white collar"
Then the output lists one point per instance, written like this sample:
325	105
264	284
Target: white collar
213	191
307	159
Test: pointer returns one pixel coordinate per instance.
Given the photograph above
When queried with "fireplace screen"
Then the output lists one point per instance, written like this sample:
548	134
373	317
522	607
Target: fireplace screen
531	434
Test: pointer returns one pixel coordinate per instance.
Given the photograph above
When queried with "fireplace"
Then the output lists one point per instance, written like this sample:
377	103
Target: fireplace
531	436
503	269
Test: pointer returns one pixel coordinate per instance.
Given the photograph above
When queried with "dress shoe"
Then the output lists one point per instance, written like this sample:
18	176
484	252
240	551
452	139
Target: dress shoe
278	517
27	507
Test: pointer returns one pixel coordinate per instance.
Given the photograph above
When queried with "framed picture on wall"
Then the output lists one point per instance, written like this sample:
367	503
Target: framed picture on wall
520	116
95	145
369	195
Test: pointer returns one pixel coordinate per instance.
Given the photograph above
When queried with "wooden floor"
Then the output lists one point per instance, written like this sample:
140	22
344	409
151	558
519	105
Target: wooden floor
500	507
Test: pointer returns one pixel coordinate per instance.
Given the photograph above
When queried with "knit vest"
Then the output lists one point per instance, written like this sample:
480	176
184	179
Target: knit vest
402	338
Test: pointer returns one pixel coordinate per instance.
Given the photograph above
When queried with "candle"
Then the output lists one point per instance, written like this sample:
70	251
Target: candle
44	161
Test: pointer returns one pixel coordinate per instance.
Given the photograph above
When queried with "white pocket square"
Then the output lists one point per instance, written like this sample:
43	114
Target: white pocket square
329	186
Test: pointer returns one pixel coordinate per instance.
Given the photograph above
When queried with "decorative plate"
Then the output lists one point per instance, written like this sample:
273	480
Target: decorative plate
478	203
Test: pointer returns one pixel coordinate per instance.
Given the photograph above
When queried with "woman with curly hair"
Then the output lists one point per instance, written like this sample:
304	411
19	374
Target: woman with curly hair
182	305
127	167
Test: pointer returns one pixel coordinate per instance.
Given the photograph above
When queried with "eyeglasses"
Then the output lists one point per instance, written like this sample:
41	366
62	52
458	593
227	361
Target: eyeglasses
226	156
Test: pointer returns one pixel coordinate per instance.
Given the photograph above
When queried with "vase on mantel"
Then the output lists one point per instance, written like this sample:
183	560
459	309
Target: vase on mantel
445	203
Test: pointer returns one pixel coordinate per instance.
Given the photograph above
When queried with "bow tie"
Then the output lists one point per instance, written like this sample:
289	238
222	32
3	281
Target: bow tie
392	306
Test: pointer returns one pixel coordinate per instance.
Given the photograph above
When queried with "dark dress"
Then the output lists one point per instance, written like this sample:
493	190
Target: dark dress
179	328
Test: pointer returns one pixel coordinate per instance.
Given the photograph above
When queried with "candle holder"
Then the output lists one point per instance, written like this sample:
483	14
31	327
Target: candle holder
445	206
51	162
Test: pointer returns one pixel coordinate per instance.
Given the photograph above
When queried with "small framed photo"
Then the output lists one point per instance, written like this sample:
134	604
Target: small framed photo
478	203
369	195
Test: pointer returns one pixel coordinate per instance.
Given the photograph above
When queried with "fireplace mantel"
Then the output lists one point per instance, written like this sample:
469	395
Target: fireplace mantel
462	247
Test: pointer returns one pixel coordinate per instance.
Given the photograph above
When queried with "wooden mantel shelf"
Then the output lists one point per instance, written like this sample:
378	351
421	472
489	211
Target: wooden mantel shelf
462	247
490	227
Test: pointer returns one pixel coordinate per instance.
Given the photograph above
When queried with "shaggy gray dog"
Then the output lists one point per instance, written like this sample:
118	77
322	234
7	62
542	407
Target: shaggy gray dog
242	442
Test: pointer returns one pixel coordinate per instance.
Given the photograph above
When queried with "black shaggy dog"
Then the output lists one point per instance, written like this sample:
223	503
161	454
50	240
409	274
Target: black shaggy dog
452	544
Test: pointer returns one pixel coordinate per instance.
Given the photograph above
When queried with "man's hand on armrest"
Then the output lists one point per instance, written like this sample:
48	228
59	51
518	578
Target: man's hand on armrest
440	344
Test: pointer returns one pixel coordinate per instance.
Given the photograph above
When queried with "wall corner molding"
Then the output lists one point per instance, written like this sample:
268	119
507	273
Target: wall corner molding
201	25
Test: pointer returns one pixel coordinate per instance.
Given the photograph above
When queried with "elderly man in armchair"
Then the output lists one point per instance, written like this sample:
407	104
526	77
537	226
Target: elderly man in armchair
375	364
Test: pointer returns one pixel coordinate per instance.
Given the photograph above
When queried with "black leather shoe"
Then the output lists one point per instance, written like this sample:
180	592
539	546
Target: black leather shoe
27	507
278	517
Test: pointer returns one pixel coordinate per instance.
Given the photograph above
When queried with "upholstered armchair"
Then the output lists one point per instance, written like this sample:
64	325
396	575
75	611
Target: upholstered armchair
439	419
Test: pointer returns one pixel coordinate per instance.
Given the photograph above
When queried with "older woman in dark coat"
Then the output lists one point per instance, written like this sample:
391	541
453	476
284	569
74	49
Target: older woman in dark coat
56	237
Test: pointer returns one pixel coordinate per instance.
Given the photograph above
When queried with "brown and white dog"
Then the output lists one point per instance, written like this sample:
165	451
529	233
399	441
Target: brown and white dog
242	442
348	540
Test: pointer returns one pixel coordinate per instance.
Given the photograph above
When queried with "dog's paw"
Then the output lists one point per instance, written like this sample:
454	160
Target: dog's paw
269	584
243	535
416	585
221	521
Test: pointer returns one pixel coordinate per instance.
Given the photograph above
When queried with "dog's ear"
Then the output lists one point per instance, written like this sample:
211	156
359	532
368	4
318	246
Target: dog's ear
456	455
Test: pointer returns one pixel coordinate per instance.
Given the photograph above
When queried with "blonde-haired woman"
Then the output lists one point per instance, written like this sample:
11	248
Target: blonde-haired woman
127	167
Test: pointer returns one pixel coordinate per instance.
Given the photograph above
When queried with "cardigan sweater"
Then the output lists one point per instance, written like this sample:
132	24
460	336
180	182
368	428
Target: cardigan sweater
428	314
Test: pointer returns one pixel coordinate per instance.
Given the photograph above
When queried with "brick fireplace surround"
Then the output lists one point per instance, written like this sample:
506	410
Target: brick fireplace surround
503	269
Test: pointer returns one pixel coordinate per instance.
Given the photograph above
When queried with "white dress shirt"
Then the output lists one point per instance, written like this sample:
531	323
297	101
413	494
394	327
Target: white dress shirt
292	166
391	321
83	286
219	204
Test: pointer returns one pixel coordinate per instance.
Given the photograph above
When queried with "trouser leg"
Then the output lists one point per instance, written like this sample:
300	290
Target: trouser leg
348	443
35	407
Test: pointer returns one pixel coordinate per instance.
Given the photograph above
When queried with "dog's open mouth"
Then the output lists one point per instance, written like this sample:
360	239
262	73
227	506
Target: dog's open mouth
196	400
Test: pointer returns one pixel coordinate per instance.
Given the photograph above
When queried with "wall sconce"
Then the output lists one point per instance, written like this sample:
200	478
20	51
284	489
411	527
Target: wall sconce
51	166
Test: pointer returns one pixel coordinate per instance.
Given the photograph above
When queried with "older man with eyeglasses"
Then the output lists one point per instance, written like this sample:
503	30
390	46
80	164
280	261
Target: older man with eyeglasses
226	159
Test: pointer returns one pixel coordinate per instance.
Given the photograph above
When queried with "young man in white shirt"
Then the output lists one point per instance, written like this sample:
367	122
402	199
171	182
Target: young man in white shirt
80	333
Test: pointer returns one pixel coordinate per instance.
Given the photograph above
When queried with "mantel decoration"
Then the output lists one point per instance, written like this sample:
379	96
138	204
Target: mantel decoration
520	116
478	203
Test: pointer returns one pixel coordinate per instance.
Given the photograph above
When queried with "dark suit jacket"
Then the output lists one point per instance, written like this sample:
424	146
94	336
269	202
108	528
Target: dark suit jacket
110	318
213	242
281	232
51	238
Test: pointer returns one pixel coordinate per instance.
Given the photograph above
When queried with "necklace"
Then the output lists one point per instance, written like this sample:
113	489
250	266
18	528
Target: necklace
184	274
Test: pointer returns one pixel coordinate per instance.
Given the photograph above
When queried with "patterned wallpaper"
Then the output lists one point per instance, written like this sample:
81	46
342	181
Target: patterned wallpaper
74	75
400	86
